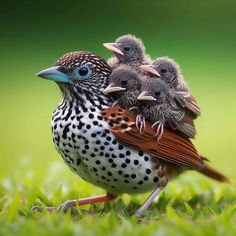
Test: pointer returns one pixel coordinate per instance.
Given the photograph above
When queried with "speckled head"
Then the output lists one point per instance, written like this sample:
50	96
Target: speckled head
168	69
76	71
127	48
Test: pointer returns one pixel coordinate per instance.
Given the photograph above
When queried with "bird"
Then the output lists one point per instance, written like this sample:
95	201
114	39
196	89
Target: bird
129	50
124	86
157	104
101	143
169	71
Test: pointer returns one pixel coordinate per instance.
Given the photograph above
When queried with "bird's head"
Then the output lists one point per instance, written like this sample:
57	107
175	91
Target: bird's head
123	79
79	71
153	91
168	69
127	48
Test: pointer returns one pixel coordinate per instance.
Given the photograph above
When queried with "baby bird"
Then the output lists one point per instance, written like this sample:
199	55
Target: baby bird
157	104
169	71
129	50
124	86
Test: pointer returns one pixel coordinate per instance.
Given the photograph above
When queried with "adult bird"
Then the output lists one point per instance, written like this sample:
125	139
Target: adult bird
102	144
169	71
128	50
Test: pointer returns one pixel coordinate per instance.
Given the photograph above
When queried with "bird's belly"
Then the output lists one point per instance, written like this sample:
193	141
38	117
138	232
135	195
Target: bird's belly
94	154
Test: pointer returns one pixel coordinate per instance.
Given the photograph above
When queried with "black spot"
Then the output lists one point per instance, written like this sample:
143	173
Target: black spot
120	147
136	162
106	143
123	165
107	155
65	131
92	155
145	178
115	180
109	173
111	149
113	165
92	109
114	141
103	168
84	151
88	126
78	162
128	153
98	162
140	153
95	149
93	135
91	116
126	119
101	153
108	138
100	117
140	182
127	161
95	122
98	142
94	169
133	176
126	176
120	172
110	160
148	171
146	158
121	155
86	147
126	181
155	179
113	155
124	126
107	131
102	148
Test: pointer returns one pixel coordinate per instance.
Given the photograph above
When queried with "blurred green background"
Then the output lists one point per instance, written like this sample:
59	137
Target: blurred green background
200	35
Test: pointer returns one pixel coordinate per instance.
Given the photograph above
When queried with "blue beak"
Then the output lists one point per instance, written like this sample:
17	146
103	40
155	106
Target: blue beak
54	74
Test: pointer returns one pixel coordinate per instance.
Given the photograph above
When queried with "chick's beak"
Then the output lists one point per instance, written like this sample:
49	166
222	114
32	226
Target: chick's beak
54	74
112	88
145	97
114	47
149	69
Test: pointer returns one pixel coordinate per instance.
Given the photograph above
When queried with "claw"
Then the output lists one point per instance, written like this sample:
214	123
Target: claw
160	129
140	123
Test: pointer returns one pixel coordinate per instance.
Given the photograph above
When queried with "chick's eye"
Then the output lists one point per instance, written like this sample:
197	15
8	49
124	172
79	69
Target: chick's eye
124	82
126	49
83	71
157	94
163	70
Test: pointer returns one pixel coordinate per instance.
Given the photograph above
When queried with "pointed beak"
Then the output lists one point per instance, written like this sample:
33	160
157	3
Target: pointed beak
145	97
111	88
114	47
54	74
149	69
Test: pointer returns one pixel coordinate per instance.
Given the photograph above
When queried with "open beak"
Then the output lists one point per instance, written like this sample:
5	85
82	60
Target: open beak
114	47
144	97
111	88
54	74
149	69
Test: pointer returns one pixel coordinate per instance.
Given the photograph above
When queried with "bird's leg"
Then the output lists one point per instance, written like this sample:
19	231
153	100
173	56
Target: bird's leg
79	202
140	122
147	203
160	129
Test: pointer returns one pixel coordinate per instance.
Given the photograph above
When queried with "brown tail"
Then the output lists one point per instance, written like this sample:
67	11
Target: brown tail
214	174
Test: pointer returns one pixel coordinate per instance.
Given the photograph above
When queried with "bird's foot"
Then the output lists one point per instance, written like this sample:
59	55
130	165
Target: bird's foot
72	204
160	129
140	123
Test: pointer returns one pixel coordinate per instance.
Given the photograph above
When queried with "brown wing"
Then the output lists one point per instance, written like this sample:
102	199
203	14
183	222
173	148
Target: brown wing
189	102
172	147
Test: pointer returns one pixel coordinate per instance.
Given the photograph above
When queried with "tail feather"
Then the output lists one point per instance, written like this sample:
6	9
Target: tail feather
214	174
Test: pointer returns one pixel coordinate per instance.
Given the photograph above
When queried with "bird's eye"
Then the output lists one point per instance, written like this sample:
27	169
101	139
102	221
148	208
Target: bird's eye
83	72
163	70
157	93
124	82
126	49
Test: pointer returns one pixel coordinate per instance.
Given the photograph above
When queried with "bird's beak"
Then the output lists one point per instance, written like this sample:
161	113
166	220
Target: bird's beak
114	47
54	74
144	96
149	69
111	88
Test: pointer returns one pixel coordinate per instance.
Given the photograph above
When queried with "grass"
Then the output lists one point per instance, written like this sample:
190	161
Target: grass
184	208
